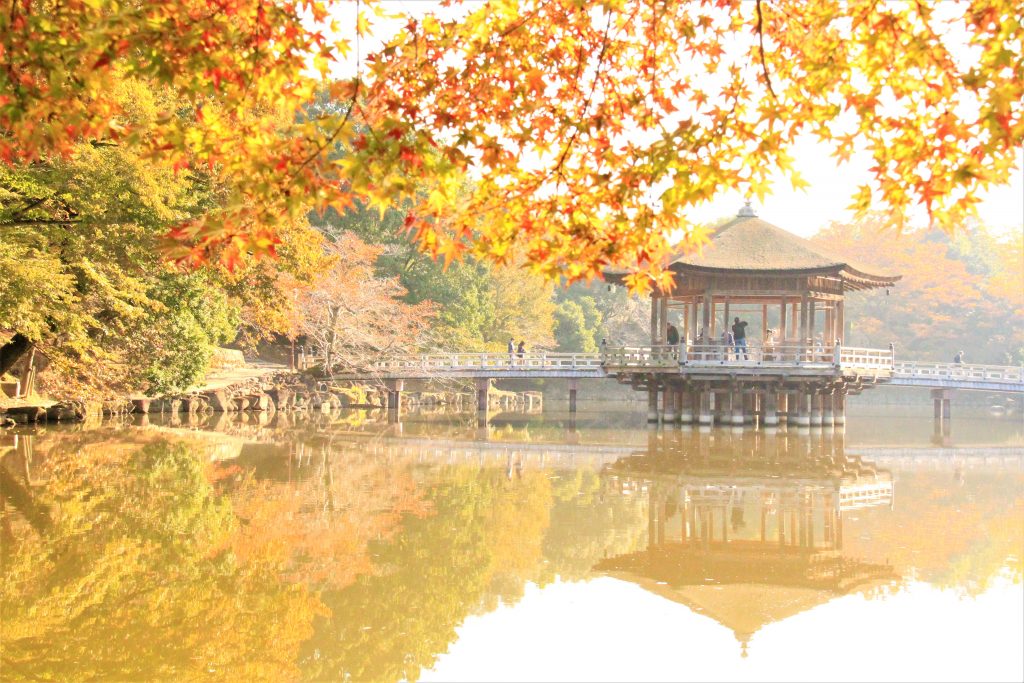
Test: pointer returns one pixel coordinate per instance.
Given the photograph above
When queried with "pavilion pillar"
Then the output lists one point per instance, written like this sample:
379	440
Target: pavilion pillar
764	321
771	406
736	399
706	321
840	322
803	325
782	321
810	321
693	319
829	336
668	404
663	324
652	401
725	316
654	318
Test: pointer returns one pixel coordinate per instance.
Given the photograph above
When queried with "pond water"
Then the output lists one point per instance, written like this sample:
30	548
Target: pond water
347	547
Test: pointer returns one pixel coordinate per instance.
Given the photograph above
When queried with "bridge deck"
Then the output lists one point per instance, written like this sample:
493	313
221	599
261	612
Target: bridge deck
709	362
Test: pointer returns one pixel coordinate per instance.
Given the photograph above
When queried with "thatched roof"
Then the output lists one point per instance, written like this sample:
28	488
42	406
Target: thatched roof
751	245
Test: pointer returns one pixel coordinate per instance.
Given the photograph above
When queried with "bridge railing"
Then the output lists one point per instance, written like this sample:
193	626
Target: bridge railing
959	371
440	362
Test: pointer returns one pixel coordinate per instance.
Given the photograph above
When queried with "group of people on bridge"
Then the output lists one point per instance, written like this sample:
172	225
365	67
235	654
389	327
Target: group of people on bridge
514	350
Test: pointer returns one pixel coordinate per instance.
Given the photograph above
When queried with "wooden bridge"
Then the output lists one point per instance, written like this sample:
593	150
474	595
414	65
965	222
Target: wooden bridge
877	364
799	382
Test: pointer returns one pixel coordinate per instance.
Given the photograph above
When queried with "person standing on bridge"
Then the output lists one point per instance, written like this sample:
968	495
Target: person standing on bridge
521	351
511	351
739	334
959	358
672	335
728	341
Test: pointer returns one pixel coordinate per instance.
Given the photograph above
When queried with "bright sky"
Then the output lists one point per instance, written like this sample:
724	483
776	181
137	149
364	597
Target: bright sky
804	212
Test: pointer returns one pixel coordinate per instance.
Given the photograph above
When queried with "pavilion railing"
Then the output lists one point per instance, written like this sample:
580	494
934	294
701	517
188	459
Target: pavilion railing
783	354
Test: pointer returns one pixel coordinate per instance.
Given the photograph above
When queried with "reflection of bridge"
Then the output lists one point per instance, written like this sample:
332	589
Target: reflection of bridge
710	383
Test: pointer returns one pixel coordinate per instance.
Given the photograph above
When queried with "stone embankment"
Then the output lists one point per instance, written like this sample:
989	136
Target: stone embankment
282	391
285	391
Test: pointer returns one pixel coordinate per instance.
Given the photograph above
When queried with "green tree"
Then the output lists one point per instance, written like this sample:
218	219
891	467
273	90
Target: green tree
82	278
572	330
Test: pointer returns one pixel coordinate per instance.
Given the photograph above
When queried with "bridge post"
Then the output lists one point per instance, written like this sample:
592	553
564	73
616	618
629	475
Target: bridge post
668	404
573	385
483	386
817	398
771	405
803	399
839	407
652	400
828	408
680	396
943	407
395	388
685	405
736	399
703	396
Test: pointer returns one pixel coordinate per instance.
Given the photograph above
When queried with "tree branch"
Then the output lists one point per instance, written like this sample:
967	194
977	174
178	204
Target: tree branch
760	42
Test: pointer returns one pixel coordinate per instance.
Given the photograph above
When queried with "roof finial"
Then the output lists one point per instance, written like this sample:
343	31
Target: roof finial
747	211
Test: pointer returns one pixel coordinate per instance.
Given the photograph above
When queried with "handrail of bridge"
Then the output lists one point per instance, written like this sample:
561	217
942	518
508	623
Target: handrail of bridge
491	361
612	359
958	371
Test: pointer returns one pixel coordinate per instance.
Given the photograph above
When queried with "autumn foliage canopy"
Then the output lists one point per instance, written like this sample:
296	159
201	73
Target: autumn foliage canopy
570	134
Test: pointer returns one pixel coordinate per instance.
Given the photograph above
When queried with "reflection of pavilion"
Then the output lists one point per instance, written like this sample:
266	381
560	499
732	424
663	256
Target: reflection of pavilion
749	541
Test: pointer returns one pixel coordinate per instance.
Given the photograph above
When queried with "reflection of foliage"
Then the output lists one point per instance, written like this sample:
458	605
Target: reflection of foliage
949	536
587	524
483	539
320	527
134	579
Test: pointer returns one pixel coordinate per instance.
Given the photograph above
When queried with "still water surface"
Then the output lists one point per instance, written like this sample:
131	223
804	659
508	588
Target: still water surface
347	548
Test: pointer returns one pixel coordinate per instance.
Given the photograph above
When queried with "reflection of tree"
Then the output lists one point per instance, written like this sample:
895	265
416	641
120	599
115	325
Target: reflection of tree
135	579
950	536
589	523
482	543
320	525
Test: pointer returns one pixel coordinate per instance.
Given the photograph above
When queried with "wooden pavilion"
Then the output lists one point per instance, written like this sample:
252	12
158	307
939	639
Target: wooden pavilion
790	287
754	267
